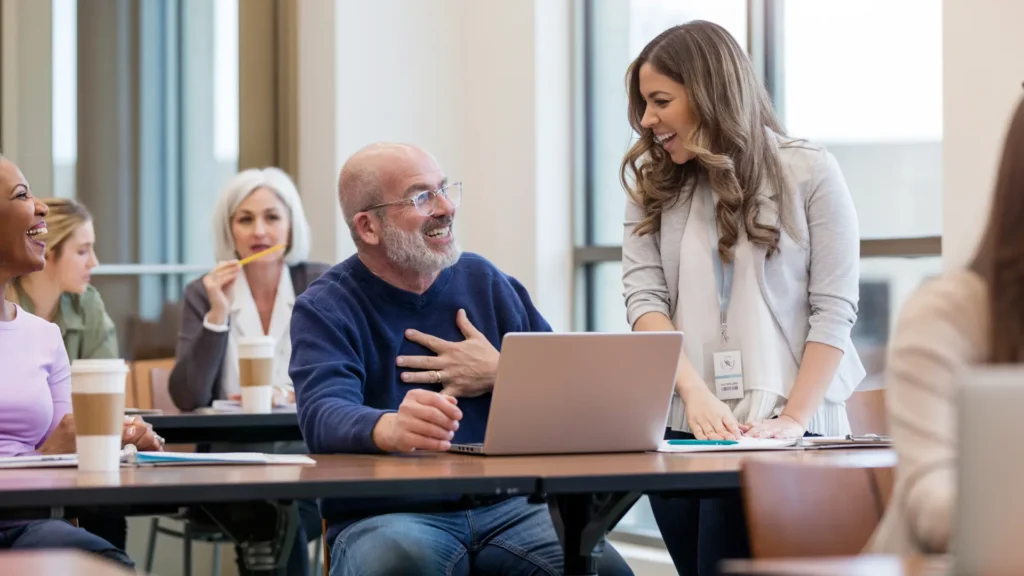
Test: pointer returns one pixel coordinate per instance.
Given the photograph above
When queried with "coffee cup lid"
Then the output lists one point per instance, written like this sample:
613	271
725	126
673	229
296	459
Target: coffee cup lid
105	366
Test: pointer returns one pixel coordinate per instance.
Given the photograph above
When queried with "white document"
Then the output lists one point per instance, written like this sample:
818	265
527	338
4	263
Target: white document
194	458
40	461
741	445
235	407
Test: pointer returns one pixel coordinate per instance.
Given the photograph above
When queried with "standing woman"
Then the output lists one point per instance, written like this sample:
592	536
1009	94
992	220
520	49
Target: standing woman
258	209
747	241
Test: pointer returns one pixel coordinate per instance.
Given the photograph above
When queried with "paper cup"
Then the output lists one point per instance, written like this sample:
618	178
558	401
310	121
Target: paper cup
97	402
256	374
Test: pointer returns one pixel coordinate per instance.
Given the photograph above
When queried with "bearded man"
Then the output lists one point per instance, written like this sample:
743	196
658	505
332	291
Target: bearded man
395	350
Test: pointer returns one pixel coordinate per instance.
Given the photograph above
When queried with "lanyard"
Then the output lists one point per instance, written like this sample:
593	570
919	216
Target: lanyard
723	272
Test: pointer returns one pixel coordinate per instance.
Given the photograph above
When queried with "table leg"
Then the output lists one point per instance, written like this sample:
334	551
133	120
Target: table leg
265	531
582	521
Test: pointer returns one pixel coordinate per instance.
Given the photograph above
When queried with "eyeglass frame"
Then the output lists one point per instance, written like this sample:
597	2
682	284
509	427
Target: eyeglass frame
443	191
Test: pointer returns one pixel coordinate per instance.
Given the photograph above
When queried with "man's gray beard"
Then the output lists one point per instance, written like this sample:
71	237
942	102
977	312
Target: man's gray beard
409	251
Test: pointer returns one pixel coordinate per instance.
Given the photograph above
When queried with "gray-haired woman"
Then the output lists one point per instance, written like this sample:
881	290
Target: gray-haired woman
257	210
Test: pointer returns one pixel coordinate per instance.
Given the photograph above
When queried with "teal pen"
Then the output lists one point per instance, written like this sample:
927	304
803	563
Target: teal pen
702	442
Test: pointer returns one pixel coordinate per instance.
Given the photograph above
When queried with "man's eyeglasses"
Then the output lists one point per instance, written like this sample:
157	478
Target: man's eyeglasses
426	202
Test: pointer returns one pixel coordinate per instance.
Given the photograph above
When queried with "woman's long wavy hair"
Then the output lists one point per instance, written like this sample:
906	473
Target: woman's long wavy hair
731	140
1000	257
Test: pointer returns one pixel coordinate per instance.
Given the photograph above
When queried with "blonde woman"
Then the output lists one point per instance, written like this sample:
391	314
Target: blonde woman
61	292
747	241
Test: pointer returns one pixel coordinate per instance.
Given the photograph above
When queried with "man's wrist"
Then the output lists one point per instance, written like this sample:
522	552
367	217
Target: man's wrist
384	432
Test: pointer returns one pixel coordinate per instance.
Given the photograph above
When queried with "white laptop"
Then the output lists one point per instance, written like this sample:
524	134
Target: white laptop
989	515
580	393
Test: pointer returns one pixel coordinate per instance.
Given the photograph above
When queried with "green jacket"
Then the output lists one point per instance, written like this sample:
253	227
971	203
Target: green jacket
87	331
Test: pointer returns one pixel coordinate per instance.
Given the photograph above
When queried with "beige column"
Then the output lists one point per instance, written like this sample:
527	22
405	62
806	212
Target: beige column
26	89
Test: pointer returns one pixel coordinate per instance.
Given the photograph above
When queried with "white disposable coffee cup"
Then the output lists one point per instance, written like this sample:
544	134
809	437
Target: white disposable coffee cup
256	374
97	402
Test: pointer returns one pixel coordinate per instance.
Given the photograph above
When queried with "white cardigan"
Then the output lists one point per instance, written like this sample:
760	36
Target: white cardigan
812	290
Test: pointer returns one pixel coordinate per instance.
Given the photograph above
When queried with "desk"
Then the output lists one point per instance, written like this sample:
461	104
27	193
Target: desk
587	494
59	562
852	566
229	428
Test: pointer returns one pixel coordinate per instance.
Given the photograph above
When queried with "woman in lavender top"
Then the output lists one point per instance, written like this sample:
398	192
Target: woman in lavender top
35	382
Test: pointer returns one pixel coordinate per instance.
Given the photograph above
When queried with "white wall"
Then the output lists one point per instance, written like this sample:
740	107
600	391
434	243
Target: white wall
484	86
983	67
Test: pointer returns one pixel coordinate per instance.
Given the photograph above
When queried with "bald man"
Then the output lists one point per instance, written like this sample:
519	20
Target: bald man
395	350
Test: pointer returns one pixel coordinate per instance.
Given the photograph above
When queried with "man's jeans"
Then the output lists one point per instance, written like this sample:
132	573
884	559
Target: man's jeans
511	538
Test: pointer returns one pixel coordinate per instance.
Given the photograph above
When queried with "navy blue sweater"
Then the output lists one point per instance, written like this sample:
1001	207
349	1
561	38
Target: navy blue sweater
347	329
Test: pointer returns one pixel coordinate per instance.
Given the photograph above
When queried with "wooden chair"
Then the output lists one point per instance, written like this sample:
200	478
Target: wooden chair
801	510
150	378
866	411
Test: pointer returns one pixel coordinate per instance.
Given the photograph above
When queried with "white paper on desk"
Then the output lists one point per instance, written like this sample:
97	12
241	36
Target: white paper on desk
742	445
199	458
235	407
40	461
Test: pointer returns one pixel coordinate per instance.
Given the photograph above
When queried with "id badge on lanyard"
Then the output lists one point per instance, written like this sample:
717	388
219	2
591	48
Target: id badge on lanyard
723	354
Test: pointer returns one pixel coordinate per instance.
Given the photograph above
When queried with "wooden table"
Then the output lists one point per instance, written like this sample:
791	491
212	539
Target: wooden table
587	494
852	566
59	562
199	428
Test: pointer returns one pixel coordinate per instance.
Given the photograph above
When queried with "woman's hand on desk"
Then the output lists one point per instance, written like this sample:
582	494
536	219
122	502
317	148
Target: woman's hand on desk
781	427
709	418
135	431
425	421
140	433
463	369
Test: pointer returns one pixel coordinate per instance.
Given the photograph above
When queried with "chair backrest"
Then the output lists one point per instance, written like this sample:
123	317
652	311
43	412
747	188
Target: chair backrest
129	391
866	411
159	383
149	374
801	510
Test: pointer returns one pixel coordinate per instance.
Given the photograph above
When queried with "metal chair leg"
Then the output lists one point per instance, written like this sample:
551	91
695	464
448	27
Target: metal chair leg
154	531
187	544
216	560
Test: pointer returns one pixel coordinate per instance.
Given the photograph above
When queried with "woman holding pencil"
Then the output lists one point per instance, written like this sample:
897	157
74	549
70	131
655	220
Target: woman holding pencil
262	240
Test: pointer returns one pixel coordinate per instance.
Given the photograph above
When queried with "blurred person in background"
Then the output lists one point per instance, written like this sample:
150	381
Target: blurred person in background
967	317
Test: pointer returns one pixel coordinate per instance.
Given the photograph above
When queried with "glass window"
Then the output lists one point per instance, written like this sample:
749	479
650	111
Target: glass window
864	78
618	31
65	98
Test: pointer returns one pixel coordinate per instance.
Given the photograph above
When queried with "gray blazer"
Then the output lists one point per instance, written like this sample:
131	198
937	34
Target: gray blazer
200	353
811	286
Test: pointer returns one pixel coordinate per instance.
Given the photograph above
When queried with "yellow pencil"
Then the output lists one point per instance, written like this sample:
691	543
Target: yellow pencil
259	255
